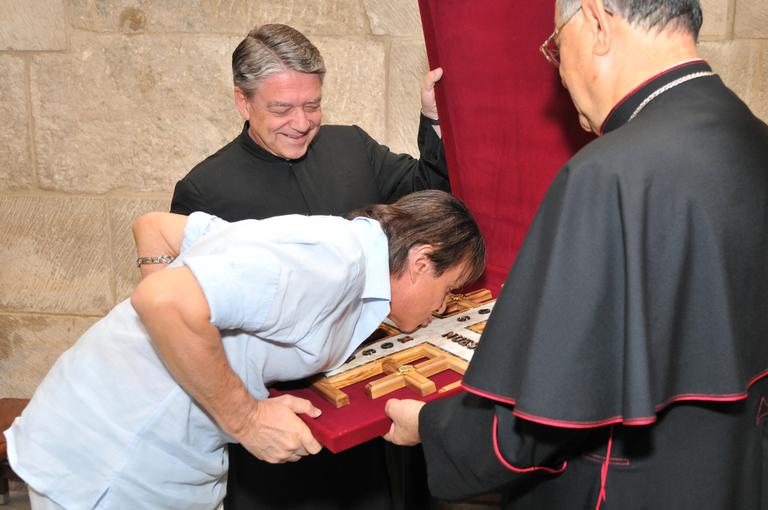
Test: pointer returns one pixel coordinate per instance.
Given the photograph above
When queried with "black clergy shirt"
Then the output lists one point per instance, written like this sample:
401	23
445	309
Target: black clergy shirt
343	169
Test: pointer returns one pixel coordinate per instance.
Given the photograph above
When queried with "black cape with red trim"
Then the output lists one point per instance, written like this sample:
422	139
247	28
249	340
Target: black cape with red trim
632	326
644	277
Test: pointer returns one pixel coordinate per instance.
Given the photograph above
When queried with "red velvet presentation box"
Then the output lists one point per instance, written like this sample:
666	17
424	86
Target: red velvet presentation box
364	419
424	365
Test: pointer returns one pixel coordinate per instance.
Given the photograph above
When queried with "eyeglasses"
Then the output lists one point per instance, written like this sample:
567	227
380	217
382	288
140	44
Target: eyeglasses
550	49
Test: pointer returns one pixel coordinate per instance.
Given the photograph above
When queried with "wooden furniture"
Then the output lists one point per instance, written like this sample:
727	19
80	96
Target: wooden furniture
10	408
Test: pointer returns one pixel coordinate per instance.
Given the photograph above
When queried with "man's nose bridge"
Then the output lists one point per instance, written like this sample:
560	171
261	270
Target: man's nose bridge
300	117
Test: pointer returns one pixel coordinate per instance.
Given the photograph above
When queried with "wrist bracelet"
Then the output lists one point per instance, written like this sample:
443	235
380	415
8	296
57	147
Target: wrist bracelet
157	259
433	122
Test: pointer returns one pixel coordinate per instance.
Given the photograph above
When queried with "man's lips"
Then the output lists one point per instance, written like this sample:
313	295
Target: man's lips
296	138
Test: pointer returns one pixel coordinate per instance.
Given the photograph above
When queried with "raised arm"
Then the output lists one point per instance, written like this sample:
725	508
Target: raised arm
156	235
175	312
399	174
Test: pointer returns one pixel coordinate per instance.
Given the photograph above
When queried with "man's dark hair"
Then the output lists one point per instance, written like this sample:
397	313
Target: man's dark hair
659	14
435	218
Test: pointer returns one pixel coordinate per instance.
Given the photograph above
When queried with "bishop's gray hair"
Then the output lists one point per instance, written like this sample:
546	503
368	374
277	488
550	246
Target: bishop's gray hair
649	14
271	49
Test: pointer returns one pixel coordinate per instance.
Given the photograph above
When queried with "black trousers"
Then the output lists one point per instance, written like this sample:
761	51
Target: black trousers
373	476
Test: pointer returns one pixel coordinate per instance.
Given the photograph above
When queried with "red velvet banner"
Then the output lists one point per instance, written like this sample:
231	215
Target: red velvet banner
507	122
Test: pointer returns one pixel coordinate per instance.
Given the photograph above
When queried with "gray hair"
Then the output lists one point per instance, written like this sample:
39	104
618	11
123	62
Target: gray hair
660	14
272	49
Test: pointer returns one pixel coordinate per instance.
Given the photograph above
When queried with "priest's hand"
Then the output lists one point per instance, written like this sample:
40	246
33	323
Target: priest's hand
275	434
428	103
405	421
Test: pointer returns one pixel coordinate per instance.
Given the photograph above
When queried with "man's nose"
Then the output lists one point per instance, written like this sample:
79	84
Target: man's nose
443	305
301	121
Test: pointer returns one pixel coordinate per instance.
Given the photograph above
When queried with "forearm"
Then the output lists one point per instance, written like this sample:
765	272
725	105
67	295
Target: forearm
191	348
158	234
433	166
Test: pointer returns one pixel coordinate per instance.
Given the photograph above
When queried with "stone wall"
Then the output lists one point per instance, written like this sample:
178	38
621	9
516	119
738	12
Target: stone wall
106	103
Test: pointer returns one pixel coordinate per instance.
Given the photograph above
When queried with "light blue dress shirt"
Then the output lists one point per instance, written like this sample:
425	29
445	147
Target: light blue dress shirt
109	427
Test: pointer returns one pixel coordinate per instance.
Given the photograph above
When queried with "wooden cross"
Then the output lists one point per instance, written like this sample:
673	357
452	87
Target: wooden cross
413	376
400	374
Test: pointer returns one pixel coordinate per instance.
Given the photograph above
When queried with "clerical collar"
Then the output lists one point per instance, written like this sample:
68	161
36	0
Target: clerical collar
260	152
622	112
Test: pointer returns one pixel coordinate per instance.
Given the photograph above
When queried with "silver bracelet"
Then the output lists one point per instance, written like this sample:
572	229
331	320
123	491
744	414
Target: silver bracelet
157	259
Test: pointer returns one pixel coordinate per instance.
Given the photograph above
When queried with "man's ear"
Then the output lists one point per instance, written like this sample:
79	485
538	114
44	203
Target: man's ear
598	22
241	103
419	261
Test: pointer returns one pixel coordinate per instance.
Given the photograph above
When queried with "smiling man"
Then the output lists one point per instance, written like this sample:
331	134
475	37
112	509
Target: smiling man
283	113
285	161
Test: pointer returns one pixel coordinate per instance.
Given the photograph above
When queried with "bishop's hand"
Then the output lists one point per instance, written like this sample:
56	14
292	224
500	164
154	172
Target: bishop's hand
275	434
405	421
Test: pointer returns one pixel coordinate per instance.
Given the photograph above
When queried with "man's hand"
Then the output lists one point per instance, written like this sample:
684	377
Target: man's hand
275	434
428	103
405	421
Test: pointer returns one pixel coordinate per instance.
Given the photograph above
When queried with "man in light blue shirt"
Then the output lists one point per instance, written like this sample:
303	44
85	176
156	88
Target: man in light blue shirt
138	412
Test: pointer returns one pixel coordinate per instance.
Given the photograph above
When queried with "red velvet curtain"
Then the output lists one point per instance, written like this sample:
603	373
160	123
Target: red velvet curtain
507	122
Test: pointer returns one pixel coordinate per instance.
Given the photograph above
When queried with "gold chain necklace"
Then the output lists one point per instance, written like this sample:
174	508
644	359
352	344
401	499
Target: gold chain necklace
666	87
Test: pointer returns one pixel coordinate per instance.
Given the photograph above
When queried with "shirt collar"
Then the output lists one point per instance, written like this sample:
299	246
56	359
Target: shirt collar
376	248
622	111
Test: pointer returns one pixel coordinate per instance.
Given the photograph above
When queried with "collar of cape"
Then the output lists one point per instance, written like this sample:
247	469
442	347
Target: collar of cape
622	111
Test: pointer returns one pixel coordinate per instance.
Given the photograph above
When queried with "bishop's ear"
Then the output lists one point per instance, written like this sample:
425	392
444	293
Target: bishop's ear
599	24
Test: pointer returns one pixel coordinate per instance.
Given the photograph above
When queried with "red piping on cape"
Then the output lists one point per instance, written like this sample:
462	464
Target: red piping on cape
646	82
733	397
762	411
604	471
509	466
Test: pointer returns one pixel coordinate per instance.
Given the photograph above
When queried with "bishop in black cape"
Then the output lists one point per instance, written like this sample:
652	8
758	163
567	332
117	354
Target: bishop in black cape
623	365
